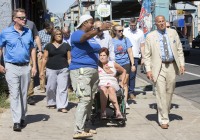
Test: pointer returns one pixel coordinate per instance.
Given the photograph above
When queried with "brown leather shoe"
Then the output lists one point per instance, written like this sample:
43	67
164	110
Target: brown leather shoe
164	126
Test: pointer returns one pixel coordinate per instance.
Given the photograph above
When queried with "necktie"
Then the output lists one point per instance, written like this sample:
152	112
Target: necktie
165	48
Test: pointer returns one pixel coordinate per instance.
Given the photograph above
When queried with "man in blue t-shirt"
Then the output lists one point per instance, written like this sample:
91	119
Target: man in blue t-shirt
84	71
17	43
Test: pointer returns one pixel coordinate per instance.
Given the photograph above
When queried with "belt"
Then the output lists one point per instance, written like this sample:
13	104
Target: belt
19	64
168	62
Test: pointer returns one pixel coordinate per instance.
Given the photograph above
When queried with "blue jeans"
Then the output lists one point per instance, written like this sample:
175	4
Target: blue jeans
132	76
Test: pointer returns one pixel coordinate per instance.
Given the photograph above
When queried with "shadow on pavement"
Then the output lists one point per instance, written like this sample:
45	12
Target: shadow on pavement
154	117
186	83
36	118
71	105
38	98
131	102
154	106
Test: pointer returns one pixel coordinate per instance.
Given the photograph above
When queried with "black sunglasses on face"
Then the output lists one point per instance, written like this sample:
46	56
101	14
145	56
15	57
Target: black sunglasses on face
119	30
21	18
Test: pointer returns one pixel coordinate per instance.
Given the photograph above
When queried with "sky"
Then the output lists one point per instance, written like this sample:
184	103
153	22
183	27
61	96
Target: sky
59	6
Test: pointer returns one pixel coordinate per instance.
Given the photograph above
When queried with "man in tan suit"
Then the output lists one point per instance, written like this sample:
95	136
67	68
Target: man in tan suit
163	58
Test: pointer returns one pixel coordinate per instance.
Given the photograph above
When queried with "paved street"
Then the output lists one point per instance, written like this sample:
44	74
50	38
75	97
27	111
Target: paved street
48	124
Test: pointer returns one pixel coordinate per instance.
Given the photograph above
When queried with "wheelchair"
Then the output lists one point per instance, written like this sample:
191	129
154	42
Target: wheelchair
96	110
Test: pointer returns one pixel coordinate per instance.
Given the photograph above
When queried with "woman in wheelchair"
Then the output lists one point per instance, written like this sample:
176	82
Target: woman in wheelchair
108	84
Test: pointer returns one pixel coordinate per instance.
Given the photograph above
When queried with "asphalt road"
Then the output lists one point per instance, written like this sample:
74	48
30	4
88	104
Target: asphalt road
187	85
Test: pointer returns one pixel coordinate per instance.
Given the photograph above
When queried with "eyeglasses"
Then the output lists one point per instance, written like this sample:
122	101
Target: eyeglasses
119	30
21	18
58	34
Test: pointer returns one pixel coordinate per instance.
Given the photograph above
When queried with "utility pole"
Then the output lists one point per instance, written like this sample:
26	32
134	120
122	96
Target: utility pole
110	10
96	3
80	7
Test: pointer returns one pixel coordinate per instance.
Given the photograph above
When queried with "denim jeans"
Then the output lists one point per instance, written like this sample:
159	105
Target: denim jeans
132	77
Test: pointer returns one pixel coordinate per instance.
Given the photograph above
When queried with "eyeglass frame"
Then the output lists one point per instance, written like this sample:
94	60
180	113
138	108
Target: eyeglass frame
21	18
119	31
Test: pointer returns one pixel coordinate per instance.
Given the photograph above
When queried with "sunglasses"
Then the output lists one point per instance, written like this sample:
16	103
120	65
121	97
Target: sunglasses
58	34
119	30
21	18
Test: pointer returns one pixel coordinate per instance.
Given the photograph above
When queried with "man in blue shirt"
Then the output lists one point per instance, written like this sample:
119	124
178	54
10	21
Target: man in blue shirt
17	43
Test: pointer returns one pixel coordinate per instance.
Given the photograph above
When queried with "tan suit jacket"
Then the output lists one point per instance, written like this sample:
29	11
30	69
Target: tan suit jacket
152	54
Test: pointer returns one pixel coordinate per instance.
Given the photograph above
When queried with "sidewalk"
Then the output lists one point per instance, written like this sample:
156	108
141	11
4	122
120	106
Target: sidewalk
48	124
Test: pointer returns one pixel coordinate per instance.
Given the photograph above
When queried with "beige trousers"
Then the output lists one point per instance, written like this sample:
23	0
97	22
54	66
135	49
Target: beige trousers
31	84
42	80
164	88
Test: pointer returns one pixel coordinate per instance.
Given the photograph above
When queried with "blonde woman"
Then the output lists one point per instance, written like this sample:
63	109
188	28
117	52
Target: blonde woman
123	55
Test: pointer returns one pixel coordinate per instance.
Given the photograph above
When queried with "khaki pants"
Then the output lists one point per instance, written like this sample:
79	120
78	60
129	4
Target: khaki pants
42	80
85	83
164	88
31	84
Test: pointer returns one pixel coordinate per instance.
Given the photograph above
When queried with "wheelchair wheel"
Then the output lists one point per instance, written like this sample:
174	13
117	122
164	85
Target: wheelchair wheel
123	109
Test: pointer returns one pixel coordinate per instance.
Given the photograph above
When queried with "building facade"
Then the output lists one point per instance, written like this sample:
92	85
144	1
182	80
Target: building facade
34	10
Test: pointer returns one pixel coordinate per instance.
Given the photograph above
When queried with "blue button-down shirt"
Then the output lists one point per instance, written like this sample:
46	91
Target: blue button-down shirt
171	56
17	45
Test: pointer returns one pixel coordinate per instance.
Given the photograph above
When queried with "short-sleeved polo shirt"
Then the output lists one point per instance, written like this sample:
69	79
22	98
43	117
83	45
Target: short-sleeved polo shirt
17	45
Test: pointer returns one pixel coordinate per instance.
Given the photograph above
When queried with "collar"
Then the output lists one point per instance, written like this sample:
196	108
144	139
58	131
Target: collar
102	36
162	32
132	30
23	29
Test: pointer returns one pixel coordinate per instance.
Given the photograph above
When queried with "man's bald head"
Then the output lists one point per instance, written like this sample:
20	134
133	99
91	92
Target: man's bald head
160	22
159	16
96	25
66	31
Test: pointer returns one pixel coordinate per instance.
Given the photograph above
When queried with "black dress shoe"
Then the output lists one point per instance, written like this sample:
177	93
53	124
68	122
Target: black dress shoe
30	101
22	123
17	127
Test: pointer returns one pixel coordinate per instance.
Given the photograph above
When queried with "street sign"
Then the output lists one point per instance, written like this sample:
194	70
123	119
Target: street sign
103	10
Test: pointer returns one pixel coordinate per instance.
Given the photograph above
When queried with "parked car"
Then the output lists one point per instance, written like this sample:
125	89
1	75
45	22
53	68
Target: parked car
185	43
196	41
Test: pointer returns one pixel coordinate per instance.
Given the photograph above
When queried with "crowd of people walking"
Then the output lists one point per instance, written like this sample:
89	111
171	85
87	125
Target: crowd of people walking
98	56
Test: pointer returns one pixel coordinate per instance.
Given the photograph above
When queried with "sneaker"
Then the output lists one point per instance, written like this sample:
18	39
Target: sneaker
132	96
127	106
42	91
38	88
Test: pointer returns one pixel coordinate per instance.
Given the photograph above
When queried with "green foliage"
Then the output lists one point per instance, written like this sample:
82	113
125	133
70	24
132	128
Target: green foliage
3	92
72	97
3	101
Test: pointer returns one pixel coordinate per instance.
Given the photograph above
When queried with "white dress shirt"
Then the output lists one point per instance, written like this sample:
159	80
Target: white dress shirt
137	38
106	41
